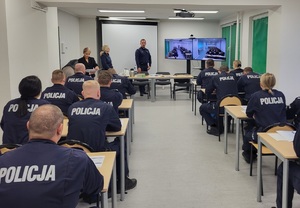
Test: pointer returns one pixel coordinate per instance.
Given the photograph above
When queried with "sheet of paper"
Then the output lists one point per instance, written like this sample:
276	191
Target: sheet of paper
279	137
289	135
98	160
244	107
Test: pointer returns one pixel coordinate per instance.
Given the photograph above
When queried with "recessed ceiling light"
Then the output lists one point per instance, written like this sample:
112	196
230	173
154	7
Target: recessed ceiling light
186	18
198	12
120	18
121	11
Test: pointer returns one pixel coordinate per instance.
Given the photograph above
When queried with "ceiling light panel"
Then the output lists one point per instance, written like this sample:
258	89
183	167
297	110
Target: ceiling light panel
121	11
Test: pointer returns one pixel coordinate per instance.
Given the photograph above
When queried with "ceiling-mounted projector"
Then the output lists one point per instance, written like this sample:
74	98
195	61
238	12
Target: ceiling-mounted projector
185	14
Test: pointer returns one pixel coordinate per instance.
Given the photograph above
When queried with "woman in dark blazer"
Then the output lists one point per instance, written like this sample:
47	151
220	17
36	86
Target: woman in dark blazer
105	58
90	64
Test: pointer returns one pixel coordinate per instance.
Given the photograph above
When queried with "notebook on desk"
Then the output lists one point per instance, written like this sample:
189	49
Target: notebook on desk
283	135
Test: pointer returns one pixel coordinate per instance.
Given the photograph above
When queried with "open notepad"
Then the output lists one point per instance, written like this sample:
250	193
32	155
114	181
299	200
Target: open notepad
283	135
98	160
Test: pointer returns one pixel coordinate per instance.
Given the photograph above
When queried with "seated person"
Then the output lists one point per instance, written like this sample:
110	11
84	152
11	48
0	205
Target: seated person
88	121
56	175
293	177
293	111
224	84
121	83
205	76
266	107
110	96
237	70
89	62
249	83
75	81
58	94
16	112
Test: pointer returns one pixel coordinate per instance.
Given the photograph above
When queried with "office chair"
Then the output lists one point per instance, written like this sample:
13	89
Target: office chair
142	82
163	82
8	147
76	145
182	84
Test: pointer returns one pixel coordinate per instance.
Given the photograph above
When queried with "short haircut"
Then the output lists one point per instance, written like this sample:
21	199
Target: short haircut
210	63
86	49
79	67
268	81
104	77
112	71
142	40
58	75
248	69
45	120
224	68
237	64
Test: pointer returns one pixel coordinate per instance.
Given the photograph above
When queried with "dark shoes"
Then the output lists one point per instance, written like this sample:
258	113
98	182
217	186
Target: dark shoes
130	183
247	156
212	130
141	94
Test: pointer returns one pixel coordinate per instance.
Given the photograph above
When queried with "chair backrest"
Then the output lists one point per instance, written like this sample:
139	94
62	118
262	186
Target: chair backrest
8	147
76	145
230	100
181	81
163	73
279	127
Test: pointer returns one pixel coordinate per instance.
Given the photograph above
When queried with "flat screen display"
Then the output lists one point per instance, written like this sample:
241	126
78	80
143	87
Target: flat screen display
209	48
180	49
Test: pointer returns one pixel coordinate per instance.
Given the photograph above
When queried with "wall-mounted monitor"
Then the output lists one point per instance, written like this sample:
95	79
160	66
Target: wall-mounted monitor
180	49
209	48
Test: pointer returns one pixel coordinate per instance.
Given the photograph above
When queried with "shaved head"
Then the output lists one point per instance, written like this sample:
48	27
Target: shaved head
79	67
91	89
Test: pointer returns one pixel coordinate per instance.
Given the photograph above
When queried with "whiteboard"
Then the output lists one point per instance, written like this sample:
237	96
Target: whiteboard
124	39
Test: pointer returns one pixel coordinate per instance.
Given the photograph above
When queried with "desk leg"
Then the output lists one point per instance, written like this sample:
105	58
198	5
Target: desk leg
114	187
225	131
193	95
285	183
129	140
152	80
132	114
104	202
195	101
122	157
259	172
237	145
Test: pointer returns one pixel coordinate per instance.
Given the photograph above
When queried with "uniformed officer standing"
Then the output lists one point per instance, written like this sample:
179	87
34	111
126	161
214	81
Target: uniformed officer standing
266	107
143	62
224	84
237	70
44	174
121	83
88	121
249	83
16	112
75	81
293	111
110	96
58	94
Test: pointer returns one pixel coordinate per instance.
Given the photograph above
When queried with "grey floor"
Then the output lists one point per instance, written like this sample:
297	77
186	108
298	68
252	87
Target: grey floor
177	164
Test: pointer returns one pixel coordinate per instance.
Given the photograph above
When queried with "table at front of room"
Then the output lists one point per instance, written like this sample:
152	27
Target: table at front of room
152	79
107	169
284	150
121	134
238	113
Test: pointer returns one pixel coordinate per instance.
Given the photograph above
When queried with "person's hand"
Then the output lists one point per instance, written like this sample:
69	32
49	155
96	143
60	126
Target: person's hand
148	67
139	70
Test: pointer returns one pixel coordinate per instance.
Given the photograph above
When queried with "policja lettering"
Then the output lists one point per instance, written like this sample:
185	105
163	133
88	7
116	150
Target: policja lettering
30	107
271	100
226	78
116	81
208	74
27	174
76	80
57	95
86	111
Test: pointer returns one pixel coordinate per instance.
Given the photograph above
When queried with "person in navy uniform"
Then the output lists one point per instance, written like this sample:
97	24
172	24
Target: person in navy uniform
16	112
88	121
293	177
266	107
121	83
89	62
224	84
205	76
237	70
58	94
43	174
110	96
75	81
293	111
249	83
143	62
105	58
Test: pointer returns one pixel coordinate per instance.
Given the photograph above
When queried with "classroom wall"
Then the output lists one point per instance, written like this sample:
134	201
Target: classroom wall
88	35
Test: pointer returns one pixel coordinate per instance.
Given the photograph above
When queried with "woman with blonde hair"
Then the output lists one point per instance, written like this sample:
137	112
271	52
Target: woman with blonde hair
105	58
237	70
89	62
266	107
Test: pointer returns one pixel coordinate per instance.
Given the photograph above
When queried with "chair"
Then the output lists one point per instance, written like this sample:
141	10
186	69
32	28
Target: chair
76	145
228	100
163	82
141	82
8	147
266	151
182	84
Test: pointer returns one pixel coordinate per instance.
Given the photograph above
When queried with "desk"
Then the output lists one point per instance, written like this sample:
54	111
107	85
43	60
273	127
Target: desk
128	105
120	134
284	150
152	79
107	169
238	114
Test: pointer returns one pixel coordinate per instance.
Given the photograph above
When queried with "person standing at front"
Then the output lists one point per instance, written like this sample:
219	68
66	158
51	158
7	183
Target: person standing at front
143	61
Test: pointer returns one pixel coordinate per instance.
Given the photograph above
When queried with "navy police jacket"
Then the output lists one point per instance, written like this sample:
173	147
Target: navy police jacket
293	111
238	73
205	76
266	108
90	64
296	142
111	96
44	174
14	127
106	61
60	96
122	84
224	84
75	82
143	58
88	121
249	83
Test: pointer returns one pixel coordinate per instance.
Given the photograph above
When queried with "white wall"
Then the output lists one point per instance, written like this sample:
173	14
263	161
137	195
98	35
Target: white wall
88	36
69	37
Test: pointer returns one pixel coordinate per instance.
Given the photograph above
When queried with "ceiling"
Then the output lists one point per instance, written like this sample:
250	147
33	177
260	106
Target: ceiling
152	11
